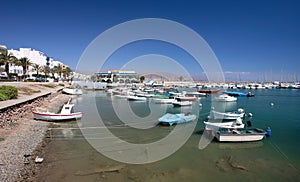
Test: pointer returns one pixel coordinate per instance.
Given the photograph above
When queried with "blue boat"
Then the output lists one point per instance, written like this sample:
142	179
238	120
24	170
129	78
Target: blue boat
170	119
240	94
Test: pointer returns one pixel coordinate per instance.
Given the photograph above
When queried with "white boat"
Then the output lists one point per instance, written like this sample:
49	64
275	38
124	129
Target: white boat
164	101
229	115
215	126
240	135
72	91
66	113
195	94
170	119
136	98
186	98
225	98
181	103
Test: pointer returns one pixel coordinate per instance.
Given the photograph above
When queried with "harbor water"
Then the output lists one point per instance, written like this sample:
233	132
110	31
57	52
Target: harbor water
70	157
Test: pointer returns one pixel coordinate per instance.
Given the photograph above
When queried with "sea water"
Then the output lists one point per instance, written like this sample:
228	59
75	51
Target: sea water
70	157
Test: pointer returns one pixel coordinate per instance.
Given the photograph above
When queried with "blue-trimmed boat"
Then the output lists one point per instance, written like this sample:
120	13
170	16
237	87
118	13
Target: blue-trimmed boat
240	94
170	119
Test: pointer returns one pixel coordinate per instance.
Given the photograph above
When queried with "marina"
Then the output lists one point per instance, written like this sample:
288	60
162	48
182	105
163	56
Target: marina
227	160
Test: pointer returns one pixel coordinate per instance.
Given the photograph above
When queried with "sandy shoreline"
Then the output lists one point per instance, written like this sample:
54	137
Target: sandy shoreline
21	135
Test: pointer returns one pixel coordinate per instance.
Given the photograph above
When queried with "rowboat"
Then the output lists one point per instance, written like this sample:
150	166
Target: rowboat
240	135
225	98
181	103
136	98
229	115
215	126
170	119
72	91
66	113
185	98
240	94
208	91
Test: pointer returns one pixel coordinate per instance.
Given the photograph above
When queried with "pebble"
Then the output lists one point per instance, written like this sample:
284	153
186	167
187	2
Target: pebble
24	138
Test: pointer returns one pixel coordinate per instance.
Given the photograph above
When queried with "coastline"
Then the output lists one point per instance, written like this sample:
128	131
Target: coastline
21	134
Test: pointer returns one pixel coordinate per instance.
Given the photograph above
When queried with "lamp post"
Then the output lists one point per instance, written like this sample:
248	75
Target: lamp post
47	66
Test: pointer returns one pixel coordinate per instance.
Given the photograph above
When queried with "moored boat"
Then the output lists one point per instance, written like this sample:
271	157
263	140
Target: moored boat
225	98
215	126
240	135
72	91
181	103
136	98
66	113
240	113
240	94
170	119
208	91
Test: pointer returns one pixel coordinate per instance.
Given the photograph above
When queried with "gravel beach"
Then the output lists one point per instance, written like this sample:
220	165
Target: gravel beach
21	135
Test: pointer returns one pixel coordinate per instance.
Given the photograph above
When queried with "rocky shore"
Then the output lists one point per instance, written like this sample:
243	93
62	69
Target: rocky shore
21	135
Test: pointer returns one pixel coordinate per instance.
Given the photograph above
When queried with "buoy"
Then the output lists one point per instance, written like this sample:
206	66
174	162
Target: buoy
250	114
200	105
272	104
268	130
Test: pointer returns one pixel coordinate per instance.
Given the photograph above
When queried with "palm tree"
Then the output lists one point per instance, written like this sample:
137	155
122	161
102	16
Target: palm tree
66	72
37	68
59	70
25	63
46	70
53	71
5	59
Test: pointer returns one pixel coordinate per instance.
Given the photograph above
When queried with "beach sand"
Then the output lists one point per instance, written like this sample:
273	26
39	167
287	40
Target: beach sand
20	134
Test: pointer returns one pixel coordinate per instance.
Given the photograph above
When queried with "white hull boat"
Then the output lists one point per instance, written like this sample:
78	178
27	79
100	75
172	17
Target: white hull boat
181	103
229	115
72	91
163	101
216	126
136	98
240	135
65	114
225	98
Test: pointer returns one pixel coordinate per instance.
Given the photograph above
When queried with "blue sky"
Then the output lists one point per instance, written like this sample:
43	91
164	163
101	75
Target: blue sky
256	40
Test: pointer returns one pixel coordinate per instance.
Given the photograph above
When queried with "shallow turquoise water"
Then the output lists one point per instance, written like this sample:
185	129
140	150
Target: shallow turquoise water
275	158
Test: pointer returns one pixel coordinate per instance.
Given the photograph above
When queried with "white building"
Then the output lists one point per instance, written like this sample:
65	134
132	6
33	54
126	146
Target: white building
35	57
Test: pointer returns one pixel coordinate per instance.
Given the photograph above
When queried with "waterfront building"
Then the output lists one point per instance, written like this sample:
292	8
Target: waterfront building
122	76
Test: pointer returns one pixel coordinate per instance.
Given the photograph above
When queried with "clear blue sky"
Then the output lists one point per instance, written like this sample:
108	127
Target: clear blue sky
257	39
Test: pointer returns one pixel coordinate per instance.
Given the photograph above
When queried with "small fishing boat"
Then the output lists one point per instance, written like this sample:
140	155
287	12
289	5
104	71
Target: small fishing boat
163	101
240	94
240	113
215	126
181	103
72	91
170	119
225	98
208	91
185	98
240	135
136	98
66	113
195	94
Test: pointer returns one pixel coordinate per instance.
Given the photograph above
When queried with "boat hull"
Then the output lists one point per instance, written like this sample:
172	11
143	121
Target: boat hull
240	135
171	119
46	116
227	115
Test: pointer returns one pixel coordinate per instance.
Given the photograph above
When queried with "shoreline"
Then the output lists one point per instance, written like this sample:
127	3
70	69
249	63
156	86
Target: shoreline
21	135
